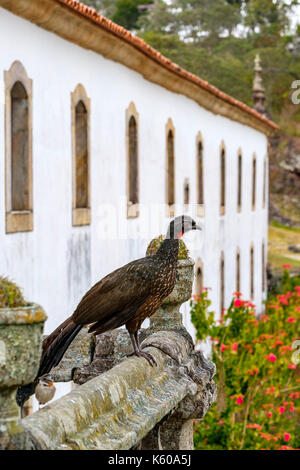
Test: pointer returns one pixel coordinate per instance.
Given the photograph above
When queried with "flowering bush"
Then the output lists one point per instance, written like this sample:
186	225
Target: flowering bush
258	381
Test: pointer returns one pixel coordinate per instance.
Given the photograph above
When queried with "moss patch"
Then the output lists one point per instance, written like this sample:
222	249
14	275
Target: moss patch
183	252
10	294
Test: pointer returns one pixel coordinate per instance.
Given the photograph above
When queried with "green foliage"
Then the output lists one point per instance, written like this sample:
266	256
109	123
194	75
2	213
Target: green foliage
199	36
268	16
183	252
193	18
258	381
10	294
127	13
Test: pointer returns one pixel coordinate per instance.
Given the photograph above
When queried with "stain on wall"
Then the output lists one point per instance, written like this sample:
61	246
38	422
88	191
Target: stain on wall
78	266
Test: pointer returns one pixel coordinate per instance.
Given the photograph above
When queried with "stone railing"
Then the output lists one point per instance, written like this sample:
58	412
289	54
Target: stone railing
123	402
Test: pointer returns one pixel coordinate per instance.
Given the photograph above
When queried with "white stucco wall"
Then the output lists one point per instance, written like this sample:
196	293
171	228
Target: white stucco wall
56	263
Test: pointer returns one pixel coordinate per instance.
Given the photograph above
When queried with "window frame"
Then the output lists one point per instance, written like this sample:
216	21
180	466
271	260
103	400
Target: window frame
198	289
200	171
80	215
133	210
265	173
252	271
263	266
17	220
239	181
254	182
222	180
222	284
238	270
170	208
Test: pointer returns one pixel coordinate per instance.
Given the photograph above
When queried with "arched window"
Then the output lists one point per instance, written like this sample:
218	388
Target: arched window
222	181
200	177
265	182
81	131
132	162
263	267
19	146
186	191
18	96
253	182
81	213
170	132
222	285
252	272
198	277
239	191
238	271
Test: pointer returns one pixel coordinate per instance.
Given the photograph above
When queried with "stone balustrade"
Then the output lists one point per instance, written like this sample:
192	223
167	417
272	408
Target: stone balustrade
122	402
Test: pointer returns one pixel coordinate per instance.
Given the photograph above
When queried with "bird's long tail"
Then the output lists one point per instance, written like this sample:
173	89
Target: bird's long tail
53	349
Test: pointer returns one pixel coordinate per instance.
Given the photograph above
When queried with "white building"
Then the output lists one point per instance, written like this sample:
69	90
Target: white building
93	119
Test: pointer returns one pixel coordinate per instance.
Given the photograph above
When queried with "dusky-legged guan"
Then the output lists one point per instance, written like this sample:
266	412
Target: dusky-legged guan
126	296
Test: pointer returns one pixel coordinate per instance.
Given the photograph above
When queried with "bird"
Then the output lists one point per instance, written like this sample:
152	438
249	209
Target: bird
127	296
45	390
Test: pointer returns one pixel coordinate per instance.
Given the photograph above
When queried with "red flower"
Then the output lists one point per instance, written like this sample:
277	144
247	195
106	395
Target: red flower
283	300
254	426
239	294
291	320
237	303
286	437
286	266
281	409
234	346
292	366
239	400
271	357
269	414
223	347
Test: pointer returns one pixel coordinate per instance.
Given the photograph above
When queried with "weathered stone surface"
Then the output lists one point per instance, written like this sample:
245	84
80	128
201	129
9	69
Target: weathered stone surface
20	349
114	410
78	355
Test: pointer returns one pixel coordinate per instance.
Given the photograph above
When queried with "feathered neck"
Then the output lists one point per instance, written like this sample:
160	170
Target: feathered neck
169	249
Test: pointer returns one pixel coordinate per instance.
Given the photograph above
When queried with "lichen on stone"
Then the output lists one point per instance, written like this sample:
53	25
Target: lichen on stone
10	294
183	252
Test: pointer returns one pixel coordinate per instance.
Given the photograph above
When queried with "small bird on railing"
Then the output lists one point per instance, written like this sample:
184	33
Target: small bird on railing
127	296
45	390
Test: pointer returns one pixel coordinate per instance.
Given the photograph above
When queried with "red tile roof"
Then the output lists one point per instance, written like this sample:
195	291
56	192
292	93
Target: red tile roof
143	47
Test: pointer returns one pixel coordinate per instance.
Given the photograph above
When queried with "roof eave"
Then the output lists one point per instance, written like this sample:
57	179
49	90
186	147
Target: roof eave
83	26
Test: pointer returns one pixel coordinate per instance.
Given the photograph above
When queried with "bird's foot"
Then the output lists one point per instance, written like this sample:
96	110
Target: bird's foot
146	355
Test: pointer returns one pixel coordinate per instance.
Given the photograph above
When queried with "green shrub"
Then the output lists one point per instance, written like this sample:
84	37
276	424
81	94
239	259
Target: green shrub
10	294
257	377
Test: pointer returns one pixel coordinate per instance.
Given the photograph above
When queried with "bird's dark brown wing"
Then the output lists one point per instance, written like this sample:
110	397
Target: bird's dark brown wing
118	295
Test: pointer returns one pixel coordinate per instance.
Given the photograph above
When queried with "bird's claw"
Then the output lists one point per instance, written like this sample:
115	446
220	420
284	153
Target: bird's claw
147	356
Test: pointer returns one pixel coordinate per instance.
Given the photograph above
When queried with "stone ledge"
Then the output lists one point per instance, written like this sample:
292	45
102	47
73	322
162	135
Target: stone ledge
117	409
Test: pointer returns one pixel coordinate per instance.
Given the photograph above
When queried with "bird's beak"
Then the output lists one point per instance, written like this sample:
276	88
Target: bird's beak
197	227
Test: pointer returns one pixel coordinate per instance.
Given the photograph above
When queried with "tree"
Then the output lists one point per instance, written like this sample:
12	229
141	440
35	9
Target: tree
266	16
127	13
193	19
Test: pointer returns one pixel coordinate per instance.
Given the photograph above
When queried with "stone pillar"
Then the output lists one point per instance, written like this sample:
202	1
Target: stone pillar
21	331
175	432
168	315
258	91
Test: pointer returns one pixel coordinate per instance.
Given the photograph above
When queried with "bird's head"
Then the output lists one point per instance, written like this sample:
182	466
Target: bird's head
46	382
180	225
